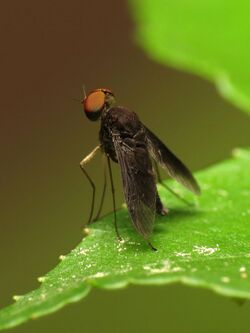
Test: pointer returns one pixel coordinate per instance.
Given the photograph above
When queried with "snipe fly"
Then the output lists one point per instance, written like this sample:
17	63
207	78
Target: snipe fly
126	141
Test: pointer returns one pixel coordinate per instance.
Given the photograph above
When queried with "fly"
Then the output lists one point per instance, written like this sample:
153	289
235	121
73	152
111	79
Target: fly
125	140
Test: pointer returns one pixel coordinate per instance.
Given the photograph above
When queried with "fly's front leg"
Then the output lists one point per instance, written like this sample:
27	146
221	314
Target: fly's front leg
103	190
82	166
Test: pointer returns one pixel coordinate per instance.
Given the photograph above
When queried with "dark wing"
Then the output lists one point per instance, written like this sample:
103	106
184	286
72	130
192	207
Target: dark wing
175	168
138	181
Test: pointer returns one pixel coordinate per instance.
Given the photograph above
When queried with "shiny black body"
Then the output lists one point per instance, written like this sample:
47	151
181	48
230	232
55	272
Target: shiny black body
128	142
121	123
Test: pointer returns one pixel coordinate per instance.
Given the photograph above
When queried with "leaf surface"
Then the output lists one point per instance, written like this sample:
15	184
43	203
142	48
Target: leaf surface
204	246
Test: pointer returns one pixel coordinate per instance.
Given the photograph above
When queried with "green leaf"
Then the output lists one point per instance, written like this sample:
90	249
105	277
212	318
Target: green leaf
209	38
205	246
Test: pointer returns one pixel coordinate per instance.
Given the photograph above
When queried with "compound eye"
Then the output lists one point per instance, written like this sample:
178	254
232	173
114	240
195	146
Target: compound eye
93	104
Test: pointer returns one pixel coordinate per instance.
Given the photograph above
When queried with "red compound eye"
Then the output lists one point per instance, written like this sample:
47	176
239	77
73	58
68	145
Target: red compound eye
93	104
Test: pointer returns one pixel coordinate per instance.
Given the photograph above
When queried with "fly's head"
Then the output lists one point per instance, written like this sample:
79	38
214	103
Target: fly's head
96	102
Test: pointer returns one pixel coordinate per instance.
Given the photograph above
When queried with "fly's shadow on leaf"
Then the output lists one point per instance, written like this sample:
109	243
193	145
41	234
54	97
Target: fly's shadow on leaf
176	216
181	214
184	213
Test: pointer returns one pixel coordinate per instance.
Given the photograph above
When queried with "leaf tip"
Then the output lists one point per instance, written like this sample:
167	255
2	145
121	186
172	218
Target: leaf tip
41	278
16	297
85	231
240	153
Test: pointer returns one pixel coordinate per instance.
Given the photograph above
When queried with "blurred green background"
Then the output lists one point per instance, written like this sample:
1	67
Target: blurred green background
48	50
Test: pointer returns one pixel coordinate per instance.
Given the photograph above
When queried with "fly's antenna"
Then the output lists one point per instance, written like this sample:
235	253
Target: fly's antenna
76	100
84	91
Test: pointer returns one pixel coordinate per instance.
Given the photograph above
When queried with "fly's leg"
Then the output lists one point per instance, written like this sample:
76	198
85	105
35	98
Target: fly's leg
152	247
82	166
103	193
167	188
113	196
160	209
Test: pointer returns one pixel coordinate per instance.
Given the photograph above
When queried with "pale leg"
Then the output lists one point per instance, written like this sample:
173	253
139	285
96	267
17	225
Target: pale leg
82	164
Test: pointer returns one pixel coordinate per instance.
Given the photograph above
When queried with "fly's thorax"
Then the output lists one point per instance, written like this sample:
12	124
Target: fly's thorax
123	124
105	135
120	117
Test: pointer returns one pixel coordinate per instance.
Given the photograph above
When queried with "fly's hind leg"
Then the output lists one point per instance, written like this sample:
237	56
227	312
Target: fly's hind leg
160	209
168	188
151	246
